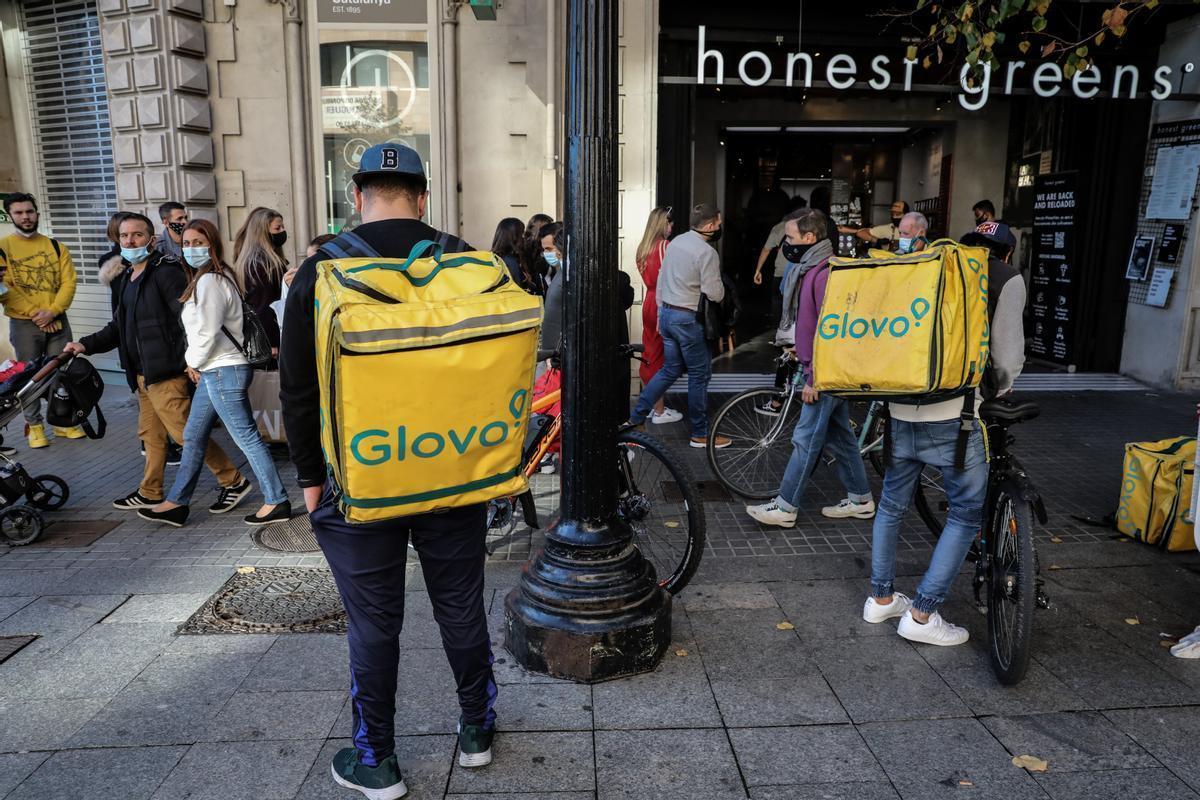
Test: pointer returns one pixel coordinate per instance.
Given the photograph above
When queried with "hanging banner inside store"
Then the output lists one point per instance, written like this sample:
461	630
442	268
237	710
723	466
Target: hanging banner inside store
842	71
1052	285
373	12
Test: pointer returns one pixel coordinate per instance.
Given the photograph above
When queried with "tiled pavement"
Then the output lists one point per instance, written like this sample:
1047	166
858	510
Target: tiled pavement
110	703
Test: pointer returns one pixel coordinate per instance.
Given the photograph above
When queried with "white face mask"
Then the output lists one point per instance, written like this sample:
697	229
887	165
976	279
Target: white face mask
196	256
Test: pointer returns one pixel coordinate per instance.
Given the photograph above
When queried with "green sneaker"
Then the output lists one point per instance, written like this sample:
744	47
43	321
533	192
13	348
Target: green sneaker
383	782
474	745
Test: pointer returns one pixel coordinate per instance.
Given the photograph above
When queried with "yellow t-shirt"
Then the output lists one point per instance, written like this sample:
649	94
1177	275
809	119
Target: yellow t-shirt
37	277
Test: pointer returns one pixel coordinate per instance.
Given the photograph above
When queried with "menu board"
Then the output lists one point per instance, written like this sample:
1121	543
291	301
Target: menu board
1051	285
1174	183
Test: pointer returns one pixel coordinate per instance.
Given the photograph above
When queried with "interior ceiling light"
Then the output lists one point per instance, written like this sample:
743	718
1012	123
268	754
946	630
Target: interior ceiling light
831	129
755	129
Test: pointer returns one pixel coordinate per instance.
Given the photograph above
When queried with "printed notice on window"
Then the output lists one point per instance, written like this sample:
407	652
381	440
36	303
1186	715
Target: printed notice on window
1174	183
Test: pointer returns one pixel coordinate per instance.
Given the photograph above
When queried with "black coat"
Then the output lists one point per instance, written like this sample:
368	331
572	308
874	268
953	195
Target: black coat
161	342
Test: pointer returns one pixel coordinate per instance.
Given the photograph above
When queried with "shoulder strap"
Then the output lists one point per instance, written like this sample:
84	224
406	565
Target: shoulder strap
349	244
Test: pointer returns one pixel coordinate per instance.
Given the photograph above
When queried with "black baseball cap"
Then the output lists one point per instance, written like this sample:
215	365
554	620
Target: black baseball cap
997	232
389	158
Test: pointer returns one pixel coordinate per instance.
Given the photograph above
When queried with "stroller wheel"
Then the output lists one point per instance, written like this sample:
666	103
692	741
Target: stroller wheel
20	525
49	492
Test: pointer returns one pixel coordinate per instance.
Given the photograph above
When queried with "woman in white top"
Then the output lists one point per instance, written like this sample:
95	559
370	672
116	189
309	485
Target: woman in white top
212	318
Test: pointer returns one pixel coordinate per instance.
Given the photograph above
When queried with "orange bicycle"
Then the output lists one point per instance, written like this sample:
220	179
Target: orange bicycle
656	496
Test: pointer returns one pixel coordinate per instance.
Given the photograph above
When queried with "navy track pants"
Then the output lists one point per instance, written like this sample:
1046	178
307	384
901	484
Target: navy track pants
367	561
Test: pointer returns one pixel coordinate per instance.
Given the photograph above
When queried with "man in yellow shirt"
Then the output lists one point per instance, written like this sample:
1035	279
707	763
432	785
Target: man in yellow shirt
39	284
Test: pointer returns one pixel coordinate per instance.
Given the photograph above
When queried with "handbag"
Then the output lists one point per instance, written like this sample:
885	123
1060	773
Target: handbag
255	345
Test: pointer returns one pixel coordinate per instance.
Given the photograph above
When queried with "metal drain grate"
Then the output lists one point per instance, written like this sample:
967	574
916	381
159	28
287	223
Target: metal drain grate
294	536
11	645
272	600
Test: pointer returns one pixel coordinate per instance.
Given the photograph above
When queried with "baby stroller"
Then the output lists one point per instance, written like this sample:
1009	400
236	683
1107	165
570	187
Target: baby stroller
22	524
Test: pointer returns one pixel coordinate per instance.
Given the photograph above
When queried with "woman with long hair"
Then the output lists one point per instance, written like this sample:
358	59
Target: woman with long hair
649	258
508	242
532	253
212	318
260	264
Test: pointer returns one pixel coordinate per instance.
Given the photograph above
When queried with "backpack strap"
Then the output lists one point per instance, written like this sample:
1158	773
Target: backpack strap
348	244
57	247
966	423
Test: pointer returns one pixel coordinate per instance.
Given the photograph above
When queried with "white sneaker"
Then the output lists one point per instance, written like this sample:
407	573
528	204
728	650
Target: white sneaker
847	508
667	416
1187	649
771	514
936	631
875	612
1194	636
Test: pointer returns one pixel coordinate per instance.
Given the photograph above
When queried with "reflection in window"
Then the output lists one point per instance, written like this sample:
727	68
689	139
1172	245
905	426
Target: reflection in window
372	91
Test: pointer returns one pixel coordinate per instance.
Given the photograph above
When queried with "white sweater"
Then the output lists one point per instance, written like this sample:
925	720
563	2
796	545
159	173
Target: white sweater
215	302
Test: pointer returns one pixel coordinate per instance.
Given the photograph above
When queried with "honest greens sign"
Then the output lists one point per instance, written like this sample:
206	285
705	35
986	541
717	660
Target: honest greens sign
842	71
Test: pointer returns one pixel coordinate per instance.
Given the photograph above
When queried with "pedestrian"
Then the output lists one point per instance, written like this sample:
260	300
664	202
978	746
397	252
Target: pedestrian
927	434
984	211
39	283
774	244
212	318
690	268
146	333
368	560
174	218
884	235
534	263
824	424
649	257
260	264
507	243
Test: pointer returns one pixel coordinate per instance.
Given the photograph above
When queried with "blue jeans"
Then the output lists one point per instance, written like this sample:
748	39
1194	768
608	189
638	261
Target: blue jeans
915	444
824	424
222	393
684	348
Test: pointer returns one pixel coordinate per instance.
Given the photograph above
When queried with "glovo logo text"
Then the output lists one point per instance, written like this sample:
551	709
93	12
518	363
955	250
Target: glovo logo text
376	446
841	326
1129	486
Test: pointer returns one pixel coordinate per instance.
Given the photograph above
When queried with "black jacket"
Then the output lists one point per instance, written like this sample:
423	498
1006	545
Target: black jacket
299	392
160	342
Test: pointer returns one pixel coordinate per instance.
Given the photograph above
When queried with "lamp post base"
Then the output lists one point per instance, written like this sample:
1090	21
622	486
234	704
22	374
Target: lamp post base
588	613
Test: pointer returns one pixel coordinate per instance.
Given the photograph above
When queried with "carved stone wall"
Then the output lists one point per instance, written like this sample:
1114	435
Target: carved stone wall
154	54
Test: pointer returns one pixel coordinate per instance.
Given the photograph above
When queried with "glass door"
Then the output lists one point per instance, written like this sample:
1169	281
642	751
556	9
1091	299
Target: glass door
374	89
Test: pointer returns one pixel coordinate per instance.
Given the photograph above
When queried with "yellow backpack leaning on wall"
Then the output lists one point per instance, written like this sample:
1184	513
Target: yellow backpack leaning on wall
1156	493
425	368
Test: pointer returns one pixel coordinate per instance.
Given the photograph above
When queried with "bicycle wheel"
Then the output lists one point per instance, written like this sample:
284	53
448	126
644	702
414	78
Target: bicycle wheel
1011	589
871	446
930	500
658	498
753	464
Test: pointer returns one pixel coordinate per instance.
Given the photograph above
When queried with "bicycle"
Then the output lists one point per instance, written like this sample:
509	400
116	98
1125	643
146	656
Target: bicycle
657	496
752	465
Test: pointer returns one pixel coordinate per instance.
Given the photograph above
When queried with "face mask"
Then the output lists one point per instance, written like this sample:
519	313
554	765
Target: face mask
27	234
135	255
713	236
195	256
550	257
279	239
176	227
908	245
795	252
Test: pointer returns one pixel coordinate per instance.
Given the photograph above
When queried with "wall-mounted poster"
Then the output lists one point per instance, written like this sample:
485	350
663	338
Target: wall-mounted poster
1174	182
1160	287
1139	258
1168	246
1052	286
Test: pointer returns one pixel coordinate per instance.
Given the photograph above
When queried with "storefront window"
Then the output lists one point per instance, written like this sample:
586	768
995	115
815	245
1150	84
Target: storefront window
374	89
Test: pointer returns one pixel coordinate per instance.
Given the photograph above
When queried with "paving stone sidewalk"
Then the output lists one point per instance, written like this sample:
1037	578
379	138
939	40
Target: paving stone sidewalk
110	702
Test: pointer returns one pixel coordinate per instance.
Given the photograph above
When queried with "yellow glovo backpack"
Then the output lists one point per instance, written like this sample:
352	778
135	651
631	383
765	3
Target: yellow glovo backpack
1156	493
425	368
911	327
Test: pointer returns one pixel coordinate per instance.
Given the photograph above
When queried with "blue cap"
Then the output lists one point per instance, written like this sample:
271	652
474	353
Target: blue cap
997	232
389	158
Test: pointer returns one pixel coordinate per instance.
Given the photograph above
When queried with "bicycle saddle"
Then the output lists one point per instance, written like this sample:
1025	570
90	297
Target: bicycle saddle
1008	411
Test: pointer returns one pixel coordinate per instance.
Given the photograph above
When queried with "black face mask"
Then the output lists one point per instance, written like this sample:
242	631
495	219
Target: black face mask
713	236
177	227
795	252
279	239
896	221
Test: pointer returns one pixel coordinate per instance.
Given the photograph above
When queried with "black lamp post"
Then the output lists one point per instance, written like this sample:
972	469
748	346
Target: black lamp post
588	606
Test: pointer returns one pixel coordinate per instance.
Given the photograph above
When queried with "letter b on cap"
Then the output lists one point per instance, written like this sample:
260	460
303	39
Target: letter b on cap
391	159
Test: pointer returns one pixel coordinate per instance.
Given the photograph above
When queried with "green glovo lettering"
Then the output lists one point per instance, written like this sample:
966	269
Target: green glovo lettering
834	326
382	450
